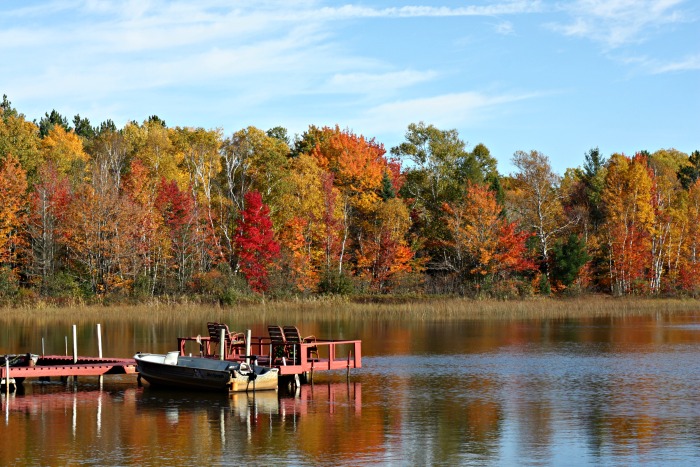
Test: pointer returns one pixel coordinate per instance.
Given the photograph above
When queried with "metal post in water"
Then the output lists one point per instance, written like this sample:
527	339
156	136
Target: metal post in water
7	376
75	344
247	350
222	344
43	353
99	341
66	345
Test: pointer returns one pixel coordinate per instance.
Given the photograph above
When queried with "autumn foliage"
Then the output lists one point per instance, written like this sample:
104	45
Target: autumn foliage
147	210
254	242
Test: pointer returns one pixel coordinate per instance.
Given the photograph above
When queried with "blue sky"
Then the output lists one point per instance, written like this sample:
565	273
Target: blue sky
559	77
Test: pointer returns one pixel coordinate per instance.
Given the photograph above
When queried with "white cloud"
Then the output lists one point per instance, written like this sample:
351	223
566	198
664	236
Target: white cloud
615	23
689	63
373	83
447	110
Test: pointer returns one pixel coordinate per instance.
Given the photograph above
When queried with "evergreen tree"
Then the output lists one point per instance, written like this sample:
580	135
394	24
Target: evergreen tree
48	121
388	191
568	257
689	174
83	127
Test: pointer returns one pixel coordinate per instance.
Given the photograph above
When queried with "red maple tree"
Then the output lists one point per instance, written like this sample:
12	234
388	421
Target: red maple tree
255	242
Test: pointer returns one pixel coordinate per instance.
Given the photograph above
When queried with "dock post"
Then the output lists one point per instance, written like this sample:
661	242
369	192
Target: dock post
247	348
99	340
66	345
7	375
43	353
75	344
222	343
99	349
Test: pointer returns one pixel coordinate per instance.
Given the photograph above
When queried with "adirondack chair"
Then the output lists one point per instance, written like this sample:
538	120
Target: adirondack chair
293	339
231	339
278	344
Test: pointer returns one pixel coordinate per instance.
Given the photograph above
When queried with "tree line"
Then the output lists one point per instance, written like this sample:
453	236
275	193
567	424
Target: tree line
100	212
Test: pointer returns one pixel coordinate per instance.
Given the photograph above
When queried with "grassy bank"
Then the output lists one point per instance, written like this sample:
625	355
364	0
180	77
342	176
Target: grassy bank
413	308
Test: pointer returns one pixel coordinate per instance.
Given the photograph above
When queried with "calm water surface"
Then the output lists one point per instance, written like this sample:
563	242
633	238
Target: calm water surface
620	391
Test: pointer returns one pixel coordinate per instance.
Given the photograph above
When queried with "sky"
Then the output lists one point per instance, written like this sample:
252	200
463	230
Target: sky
559	77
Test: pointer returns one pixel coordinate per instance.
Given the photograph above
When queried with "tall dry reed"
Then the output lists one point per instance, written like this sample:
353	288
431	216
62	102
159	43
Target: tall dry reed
430	309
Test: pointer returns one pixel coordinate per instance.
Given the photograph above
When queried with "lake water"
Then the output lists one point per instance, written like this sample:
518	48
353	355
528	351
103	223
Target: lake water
614	391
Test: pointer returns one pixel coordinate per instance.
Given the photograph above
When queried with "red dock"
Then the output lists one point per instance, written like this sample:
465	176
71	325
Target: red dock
301	357
53	365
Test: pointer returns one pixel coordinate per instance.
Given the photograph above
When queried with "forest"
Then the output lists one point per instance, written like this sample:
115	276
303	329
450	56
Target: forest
100	214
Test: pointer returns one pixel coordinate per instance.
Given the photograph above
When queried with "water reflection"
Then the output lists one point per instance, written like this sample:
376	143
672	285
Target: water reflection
562	392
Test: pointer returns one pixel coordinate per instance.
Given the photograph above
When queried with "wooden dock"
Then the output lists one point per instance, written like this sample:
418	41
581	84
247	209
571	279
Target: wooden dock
60	366
296	360
300	358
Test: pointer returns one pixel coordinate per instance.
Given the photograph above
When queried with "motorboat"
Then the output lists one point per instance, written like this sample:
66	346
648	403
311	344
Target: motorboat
200	373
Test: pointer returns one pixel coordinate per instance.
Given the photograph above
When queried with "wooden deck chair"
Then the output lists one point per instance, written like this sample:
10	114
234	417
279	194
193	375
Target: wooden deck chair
278	344
293	338
231	339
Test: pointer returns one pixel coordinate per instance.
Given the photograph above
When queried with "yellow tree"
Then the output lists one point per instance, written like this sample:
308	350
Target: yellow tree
669	220
152	144
19	137
200	150
627	197
64	149
313	231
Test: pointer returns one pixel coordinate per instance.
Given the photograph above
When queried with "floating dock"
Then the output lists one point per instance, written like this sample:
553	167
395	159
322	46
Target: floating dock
299	359
60	366
296	361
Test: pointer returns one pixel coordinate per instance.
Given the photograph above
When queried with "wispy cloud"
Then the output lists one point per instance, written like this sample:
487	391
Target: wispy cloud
505	28
446	110
113	55
657	67
615	23
377	82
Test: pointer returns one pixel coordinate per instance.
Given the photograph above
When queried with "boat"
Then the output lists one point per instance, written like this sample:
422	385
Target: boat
15	360
177	371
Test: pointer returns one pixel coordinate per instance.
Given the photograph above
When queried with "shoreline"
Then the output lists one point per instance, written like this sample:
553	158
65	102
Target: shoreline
417	308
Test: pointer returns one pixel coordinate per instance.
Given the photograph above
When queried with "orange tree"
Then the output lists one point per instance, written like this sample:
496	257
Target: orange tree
482	245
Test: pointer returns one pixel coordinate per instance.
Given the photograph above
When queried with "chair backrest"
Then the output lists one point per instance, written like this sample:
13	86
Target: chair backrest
291	334
215	331
276	334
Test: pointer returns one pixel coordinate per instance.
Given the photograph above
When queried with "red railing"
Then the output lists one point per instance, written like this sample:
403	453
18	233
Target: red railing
320	355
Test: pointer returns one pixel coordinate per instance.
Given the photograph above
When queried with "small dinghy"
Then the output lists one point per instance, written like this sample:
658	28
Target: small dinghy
176	371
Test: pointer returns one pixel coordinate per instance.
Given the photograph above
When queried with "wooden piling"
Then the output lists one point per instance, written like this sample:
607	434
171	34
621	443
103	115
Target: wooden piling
99	340
75	343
